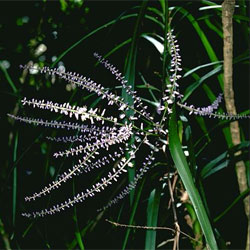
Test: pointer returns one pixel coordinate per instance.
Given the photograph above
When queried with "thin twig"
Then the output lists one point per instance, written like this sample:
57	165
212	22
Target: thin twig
177	227
173	186
149	228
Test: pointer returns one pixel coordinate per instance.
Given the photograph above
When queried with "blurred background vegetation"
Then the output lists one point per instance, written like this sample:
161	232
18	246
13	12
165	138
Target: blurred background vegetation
39	32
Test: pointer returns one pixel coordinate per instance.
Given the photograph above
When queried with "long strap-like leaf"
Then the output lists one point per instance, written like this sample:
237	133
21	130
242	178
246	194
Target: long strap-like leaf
187	179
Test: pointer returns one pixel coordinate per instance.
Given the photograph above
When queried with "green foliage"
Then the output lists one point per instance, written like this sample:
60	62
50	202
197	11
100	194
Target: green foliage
152	218
133	37
187	179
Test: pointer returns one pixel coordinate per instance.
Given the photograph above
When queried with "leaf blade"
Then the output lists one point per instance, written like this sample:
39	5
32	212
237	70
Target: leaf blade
187	179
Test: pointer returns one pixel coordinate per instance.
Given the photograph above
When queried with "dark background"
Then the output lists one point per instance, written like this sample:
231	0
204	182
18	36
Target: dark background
34	164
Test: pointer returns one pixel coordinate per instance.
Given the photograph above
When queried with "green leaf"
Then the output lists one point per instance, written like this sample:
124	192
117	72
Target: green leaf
8	78
201	121
222	160
130	76
187	179
117	47
152	218
240	197
196	226
64	5
210	7
208	47
189	72
14	180
65	52
213	27
192	87
77	231
192	159
158	45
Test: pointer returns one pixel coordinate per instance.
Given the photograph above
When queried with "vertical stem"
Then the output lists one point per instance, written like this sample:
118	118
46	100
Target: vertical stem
177	227
164	64
227	22
14	181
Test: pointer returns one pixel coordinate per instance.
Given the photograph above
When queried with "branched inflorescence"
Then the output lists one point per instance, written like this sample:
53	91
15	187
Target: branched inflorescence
96	188
137	101
209	110
88	134
90	150
66	109
132	184
103	140
172	90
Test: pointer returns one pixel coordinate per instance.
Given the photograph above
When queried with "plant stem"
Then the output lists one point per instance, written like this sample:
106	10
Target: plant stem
227	22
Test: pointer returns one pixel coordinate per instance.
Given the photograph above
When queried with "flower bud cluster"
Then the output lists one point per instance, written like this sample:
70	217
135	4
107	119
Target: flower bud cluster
203	110
62	125
106	140
87	167
90	150
91	86
90	134
209	110
69	110
80	81
172	90
80	197
148	161
97	139
128	88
